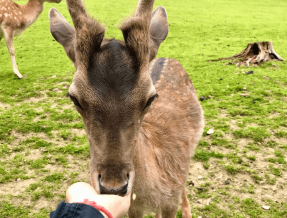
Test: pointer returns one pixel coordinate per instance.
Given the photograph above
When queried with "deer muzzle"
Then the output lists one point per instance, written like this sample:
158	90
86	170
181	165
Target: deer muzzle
117	183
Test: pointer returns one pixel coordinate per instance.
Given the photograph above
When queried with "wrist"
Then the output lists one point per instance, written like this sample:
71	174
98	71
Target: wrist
101	209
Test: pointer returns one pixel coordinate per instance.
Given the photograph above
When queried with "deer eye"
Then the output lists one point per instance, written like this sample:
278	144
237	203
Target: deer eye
75	101
150	101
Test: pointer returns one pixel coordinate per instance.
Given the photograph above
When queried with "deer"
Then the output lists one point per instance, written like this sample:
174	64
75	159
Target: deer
15	19
141	114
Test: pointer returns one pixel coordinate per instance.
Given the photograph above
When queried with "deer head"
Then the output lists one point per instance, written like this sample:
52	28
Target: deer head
111	89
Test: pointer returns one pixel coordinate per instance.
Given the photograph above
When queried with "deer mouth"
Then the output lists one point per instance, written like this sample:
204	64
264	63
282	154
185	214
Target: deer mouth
121	190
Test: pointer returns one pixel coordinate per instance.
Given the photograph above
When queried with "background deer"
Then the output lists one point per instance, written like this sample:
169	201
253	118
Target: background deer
142	116
15	19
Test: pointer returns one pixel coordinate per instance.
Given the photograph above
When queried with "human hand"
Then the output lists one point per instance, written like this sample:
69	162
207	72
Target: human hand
118	206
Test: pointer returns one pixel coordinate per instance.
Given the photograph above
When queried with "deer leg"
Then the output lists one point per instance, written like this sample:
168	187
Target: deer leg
169	211
185	206
135	213
8	36
158	213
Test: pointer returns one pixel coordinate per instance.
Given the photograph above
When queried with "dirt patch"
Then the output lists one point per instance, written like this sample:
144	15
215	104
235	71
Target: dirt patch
78	132
220	149
34	100
35	154
61	108
15	188
281	141
19	188
233	125
223	114
38	118
67	106
42	202
274	115
63	83
23	136
241	185
5	106
242	143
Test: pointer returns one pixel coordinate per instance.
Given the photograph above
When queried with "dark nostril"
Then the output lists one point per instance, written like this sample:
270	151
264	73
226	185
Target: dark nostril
99	177
128	175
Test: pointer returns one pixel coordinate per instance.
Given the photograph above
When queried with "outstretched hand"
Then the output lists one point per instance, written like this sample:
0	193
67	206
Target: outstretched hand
118	206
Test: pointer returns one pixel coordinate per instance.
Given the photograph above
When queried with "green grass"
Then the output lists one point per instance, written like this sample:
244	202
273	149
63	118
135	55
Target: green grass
39	141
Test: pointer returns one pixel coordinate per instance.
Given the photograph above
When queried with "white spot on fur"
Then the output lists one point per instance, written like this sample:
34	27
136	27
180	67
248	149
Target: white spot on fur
6	15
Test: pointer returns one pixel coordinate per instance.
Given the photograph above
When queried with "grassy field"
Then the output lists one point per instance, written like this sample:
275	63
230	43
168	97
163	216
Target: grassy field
235	171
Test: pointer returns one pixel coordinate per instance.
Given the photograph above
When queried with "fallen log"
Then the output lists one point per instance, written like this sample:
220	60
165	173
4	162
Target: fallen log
255	53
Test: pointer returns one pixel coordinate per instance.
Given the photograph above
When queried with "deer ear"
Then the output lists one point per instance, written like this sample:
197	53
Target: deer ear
158	30
62	32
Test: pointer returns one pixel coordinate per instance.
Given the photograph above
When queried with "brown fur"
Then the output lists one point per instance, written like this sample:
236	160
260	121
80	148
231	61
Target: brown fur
144	148
15	19
168	136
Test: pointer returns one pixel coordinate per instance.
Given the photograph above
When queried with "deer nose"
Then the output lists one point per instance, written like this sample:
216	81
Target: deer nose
121	190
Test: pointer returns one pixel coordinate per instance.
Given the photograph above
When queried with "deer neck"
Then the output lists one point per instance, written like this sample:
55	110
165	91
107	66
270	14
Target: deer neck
32	10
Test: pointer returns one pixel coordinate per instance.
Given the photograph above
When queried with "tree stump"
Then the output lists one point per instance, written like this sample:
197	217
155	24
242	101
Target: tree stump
255	53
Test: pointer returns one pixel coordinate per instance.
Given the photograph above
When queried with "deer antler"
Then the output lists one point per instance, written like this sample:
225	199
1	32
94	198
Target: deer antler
77	11
89	33
144	9
136	30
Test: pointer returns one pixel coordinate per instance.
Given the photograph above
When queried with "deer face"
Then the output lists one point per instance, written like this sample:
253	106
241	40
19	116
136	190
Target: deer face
112	89
112	98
